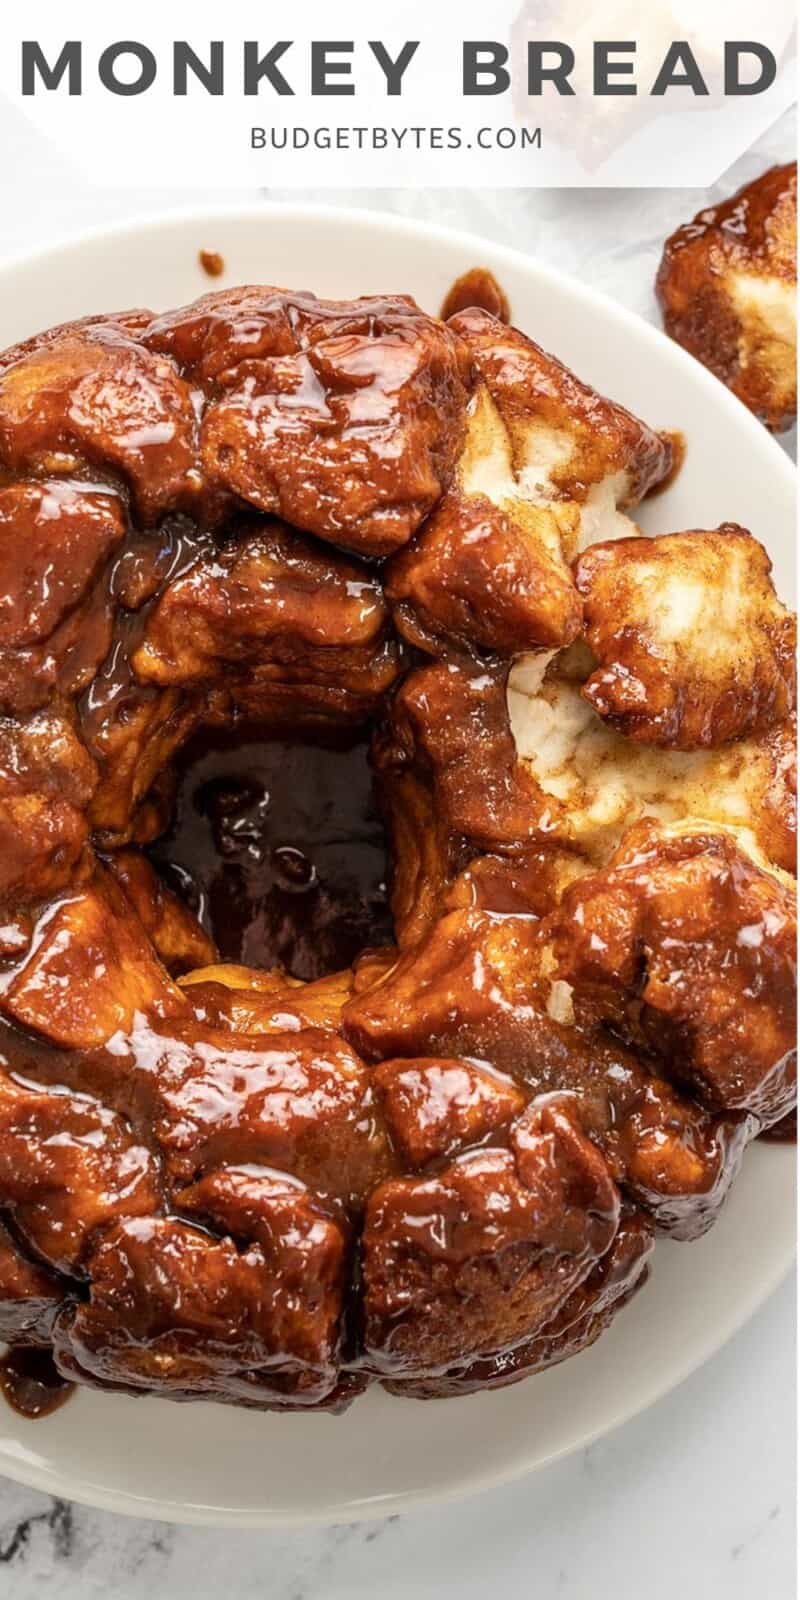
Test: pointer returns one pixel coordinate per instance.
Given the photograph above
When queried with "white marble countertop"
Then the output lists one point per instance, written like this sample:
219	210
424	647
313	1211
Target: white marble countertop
696	1496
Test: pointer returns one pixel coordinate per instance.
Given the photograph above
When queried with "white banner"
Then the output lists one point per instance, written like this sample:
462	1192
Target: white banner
531	93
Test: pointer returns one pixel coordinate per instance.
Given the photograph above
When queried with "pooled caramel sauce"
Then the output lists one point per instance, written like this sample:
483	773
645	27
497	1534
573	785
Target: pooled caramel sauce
478	287
212	263
677	441
277	846
31	1383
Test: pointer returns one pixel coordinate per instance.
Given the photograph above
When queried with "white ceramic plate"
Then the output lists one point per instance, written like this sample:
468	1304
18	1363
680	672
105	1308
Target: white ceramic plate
213	1464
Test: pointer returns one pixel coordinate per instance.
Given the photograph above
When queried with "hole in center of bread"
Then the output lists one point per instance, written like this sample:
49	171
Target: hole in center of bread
277	845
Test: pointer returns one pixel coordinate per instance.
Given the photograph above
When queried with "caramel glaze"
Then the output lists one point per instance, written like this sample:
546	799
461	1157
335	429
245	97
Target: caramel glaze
726	285
234	1185
277	847
212	263
678	447
746	217
146	563
31	1382
478	287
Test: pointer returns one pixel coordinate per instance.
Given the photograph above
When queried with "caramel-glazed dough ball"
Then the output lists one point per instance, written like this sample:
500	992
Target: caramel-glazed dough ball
443	1168
728	291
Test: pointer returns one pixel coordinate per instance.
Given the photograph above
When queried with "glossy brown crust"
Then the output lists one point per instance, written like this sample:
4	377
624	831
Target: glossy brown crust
693	646
489	570
459	991
495	1242
481	987
47	780
602	438
425	850
164	1292
271	606
342	417
55	540
449	723
99	396
583	1316
433	1107
132	323
29	1296
526	884
779	826
72	1146
476	287
175	933
248	1001
441	1168
300	1101
88	971
727	287
685	943
481	575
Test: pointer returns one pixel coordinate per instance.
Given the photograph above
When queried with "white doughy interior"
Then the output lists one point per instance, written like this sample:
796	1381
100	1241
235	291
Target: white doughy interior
773	301
524	487
607	783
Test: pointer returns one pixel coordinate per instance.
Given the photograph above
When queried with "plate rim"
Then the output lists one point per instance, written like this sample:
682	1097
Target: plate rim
48	1480
51	1480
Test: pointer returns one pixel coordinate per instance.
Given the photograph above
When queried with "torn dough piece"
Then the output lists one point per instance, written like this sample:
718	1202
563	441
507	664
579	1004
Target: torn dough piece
593	784
694	647
547	466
